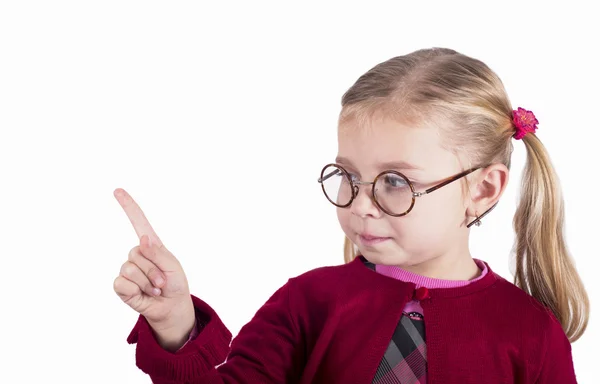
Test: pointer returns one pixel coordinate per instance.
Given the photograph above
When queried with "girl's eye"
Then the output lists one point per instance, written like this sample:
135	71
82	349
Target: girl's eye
395	181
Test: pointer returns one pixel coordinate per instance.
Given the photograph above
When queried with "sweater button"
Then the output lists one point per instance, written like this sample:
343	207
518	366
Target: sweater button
421	293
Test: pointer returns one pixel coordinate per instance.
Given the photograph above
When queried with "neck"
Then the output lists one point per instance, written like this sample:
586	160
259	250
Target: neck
446	268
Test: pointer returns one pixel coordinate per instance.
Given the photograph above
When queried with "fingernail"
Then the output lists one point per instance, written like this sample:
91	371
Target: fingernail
156	291
149	242
158	281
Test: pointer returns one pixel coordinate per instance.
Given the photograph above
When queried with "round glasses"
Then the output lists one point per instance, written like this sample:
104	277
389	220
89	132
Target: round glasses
392	192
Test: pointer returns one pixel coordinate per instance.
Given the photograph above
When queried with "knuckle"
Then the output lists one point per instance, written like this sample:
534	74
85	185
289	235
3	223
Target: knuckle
153	272
133	253
128	269
118	284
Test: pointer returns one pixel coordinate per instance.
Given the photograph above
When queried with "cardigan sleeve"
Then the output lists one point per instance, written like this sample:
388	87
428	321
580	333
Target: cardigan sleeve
266	350
557	363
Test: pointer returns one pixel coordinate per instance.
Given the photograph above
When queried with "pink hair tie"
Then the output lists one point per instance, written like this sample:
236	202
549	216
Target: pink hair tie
524	122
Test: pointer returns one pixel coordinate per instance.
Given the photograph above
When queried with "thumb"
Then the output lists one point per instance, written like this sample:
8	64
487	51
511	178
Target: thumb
158	254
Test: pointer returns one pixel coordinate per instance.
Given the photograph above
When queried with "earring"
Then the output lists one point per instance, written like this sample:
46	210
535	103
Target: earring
477	220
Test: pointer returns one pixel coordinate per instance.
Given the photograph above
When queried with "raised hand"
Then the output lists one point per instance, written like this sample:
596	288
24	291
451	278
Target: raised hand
152	281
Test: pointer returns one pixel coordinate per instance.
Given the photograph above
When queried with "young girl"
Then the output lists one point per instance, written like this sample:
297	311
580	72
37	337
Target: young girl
425	143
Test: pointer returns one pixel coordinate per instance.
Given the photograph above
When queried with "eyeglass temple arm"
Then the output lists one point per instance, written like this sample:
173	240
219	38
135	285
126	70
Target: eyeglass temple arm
322	179
444	183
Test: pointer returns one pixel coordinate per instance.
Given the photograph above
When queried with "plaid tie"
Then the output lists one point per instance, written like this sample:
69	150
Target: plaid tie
405	360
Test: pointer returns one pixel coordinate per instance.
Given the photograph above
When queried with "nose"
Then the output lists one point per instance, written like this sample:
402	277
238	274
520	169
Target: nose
363	204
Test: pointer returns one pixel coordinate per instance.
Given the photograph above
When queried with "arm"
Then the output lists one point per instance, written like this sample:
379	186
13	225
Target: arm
266	350
557	364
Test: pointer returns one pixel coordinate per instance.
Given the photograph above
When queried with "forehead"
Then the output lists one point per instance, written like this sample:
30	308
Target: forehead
384	140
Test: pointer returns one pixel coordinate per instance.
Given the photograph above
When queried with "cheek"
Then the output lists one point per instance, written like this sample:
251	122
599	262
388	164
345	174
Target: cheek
430	215
446	206
343	216
434	215
418	235
407	228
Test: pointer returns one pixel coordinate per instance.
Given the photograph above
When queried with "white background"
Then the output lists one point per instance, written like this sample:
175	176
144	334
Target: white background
194	109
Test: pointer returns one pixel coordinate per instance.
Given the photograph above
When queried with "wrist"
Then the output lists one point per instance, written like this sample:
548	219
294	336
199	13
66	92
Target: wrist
172	335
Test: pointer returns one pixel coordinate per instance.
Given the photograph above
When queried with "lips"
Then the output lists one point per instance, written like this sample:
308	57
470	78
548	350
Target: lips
367	236
369	239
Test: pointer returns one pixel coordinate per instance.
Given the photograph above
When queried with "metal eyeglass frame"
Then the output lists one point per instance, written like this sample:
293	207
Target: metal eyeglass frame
415	194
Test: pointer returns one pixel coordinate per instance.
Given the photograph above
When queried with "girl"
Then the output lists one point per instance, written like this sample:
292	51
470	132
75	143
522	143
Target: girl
424	152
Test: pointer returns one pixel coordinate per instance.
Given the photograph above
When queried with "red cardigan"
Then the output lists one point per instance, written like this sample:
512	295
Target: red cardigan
332	325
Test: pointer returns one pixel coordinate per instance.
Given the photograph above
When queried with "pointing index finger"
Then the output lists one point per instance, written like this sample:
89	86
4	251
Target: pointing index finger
136	216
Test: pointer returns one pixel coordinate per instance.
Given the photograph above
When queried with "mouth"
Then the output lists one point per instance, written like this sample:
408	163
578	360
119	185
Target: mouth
368	239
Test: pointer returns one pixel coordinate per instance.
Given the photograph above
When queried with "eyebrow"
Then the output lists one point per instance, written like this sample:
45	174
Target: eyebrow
385	165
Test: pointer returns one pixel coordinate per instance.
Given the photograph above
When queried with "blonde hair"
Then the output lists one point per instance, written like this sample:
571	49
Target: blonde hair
441	85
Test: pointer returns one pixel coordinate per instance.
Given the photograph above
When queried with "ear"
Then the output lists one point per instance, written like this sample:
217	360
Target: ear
485	189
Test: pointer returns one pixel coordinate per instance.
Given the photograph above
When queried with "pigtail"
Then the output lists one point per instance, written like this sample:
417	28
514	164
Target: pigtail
350	251
544	268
